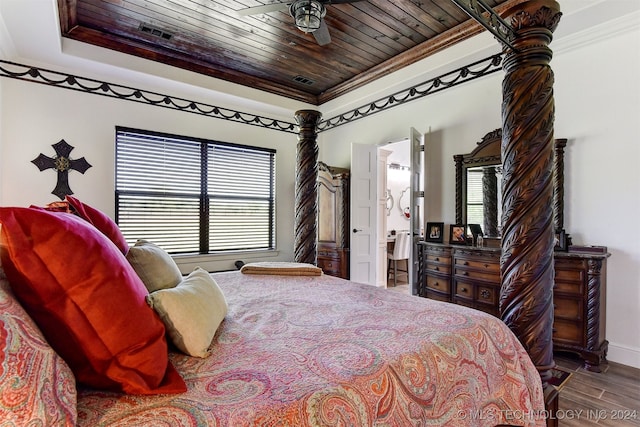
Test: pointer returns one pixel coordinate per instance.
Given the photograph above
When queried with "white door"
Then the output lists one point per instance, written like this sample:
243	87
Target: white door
381	256
363	213
417	202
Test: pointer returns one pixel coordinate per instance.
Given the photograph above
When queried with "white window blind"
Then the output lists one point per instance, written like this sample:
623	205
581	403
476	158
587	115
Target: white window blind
475	208
192	195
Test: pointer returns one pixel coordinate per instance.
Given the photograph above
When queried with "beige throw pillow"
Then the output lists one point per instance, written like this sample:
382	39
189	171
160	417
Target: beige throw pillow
191	312
154	266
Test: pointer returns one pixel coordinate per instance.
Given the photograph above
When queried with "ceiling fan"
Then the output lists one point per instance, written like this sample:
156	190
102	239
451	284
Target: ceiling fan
308	15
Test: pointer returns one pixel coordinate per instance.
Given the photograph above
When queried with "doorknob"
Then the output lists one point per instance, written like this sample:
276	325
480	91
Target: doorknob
355	230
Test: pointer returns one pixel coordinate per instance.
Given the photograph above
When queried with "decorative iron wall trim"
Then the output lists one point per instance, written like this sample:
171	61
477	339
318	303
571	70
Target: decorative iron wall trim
111	90
67	81
461	75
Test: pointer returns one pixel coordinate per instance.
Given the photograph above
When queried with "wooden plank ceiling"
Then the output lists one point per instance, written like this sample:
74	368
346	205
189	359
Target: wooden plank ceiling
266	51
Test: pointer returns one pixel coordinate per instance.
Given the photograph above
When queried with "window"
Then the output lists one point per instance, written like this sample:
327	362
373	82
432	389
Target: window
192	195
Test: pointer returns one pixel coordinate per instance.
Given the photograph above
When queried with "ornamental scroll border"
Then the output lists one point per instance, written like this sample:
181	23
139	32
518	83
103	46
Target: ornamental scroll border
453	78
112	90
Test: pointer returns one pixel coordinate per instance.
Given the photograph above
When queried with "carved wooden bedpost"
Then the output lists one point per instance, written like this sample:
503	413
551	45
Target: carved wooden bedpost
306	191
526	297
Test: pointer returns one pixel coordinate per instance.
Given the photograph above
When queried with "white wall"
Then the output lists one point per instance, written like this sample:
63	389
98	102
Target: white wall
597	94
36	116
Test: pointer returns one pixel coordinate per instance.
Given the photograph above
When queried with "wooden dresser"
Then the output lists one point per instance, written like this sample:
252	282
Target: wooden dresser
437	265
333	220
470	276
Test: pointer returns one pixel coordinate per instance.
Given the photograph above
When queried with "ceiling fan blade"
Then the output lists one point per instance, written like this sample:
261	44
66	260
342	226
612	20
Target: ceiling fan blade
257	10
322	34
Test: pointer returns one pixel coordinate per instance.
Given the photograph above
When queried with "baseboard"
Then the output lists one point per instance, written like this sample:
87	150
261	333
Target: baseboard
624	355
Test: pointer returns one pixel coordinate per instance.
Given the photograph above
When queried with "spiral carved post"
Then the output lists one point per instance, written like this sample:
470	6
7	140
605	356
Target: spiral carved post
490	201
459	196
306	191
526	264
558	186
593	320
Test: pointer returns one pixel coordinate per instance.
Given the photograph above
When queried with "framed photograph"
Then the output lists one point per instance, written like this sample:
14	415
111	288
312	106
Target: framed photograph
434	232
458	234
560	239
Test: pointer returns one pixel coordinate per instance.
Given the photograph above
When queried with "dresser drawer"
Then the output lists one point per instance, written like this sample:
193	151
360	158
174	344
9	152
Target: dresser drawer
567	331
329	266
438	268
567	308
438	296
438	283
463	290
573	288
488	295
489	276
570	264
438	258
569	275
324	253
488	266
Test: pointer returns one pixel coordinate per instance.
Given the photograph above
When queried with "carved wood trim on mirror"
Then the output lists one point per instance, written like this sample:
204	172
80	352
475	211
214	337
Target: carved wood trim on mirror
487	155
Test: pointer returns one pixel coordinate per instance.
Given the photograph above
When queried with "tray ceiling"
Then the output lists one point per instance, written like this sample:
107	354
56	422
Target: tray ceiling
369	39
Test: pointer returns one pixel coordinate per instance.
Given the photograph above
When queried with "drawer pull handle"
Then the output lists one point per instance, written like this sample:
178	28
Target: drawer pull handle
436	268
486	266
465	273
435	284
485	293
463	290
437	259
465	263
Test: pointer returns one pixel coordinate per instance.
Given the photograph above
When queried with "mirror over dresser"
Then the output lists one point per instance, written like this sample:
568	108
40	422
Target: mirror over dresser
470	275
478	180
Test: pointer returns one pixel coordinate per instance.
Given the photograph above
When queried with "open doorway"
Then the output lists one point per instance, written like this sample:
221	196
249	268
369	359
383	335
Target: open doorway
374	204
398	186
396	218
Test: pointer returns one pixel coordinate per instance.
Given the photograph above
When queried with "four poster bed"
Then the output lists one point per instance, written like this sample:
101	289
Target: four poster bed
92	335
96	333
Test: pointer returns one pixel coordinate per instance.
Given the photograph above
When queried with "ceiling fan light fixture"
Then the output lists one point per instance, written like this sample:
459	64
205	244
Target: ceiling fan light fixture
308	14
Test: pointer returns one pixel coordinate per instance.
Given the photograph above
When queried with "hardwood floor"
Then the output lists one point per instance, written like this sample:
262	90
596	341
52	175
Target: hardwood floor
608	398
400	287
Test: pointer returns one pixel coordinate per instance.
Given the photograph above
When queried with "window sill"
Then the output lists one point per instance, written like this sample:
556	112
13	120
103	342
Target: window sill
221	262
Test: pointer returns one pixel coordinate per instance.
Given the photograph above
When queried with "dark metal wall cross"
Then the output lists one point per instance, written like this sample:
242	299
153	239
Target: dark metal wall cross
62	164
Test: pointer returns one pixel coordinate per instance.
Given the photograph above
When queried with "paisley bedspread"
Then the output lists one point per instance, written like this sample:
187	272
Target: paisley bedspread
322	351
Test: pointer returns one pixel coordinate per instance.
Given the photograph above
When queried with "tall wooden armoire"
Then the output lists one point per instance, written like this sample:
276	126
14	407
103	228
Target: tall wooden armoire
333	220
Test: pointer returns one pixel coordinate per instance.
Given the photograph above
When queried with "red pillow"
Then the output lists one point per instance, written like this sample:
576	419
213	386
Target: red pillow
87	300
101	221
